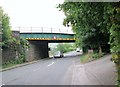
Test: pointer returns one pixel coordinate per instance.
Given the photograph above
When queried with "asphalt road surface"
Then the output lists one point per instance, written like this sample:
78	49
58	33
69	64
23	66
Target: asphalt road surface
63	71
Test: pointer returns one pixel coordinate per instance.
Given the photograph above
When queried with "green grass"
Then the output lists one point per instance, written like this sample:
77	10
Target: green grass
8	65
89	57
84	58
11	63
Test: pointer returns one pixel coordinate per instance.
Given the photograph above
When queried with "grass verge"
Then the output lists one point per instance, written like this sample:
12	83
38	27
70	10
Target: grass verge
89	57
9	65
84	58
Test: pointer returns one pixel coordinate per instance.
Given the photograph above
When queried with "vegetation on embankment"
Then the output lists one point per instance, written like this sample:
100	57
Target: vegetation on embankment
87	57
13	47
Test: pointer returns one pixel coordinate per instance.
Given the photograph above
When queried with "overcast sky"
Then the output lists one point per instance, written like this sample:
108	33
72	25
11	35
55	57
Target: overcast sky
35	13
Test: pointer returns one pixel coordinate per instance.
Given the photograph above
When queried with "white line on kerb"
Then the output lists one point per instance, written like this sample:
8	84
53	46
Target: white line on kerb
40	68
51	64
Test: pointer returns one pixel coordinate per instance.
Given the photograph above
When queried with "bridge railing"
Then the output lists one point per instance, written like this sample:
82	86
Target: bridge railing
44	30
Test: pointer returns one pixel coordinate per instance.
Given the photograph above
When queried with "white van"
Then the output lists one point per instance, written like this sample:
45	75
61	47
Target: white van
79	50
58	54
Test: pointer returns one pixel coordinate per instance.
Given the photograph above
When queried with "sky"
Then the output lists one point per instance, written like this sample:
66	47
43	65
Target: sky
33	13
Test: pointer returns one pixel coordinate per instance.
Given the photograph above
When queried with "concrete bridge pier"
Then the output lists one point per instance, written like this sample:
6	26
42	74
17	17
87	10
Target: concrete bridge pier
37	50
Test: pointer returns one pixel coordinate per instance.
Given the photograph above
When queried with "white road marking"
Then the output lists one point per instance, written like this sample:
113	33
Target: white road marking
51	64
40	68
36	69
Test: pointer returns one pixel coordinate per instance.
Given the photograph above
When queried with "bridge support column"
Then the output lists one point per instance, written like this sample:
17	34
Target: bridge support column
37	50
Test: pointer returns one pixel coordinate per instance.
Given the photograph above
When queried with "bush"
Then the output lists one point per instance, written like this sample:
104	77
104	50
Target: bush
14	61
95	55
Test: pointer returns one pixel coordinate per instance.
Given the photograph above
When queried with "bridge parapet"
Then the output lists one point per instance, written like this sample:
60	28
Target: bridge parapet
44	30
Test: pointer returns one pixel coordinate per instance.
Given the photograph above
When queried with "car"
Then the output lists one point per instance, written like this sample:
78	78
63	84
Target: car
58	54
78	50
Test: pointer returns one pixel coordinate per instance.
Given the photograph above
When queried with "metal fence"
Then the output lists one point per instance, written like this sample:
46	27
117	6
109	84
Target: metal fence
44	30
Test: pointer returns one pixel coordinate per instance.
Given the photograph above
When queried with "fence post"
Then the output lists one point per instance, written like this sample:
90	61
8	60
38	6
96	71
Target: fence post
19	28
67	30
42	29
59	30
51	30
31	29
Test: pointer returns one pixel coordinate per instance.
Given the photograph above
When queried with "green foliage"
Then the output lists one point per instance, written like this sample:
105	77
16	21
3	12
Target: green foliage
8	41
1	13
84	58
96	55
20	48
13	62
7	34
5	29
24	43
114	27
96	24
65	47
90	57
87	21
114	39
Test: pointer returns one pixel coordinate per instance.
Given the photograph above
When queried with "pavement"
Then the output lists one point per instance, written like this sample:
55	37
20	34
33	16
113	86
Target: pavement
98	72
63	71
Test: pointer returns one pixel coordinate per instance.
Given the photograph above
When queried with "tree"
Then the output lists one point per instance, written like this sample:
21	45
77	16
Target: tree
87	22
114	26
65	47
9	41
5	29
1	13
95	24
60	47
